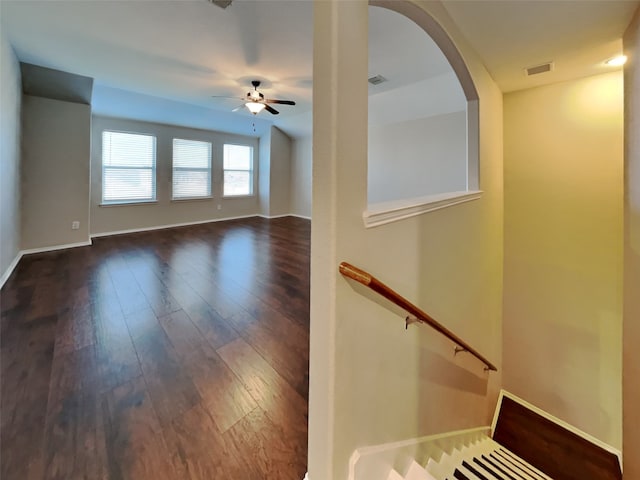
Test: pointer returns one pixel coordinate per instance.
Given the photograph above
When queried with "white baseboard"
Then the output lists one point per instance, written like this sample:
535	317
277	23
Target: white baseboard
186	224
5	276
7	273
271	217
171	225
53	248
284	215
299	216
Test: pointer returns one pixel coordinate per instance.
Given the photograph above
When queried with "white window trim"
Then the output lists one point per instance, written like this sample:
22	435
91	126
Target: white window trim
387	212
192	199
128	202
244	195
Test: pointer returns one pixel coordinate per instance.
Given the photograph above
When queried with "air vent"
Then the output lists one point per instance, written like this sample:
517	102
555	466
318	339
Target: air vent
221	3
538	69
377	80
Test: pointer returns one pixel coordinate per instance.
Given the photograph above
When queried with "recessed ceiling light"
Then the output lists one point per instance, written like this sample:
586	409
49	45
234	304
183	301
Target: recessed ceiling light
616	61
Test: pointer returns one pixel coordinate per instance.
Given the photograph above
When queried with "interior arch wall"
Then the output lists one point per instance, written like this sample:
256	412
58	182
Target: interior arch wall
371	381
441	37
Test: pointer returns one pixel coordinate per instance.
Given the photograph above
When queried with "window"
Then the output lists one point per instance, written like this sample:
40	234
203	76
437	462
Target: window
238	170
191	169
128	167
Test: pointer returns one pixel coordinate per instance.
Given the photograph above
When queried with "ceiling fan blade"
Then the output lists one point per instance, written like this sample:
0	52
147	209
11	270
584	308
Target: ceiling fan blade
225	96
271	110
282	102
238	108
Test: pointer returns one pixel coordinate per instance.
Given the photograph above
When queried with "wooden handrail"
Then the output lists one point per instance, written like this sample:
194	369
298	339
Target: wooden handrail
419	315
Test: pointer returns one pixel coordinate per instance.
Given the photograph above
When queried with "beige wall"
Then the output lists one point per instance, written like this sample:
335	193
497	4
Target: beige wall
418	157
275	173
264	179
167	212
371	381
631	327
11	96
563	251
301	162
55	172
280	172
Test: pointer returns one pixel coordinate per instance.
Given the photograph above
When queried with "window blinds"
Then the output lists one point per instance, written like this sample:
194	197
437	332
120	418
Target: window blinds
191	169
128	167
238	170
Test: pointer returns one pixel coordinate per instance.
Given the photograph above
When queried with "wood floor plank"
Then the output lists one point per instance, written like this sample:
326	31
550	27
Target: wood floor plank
25	390
141	322
130	295
135	445
282	404
280	341
256	437
44	301
75	329
156	293
212	293
199	448
117	358
212	325
146	356
223	394
74	435
172	390
283	343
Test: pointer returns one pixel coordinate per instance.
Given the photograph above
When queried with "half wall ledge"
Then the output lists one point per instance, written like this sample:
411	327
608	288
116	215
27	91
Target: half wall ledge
387	212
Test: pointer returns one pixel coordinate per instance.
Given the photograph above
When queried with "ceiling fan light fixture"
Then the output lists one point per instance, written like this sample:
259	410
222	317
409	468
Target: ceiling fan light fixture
255	107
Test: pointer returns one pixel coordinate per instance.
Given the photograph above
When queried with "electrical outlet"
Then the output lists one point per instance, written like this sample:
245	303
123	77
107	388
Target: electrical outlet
219	207
75	225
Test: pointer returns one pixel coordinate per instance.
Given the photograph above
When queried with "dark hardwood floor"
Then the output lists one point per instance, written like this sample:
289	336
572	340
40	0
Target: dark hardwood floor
172	354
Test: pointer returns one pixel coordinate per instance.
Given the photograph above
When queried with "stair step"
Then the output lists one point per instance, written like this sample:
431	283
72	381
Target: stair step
477	458
518	463
511	467
416	472
462	472
393	475
482	459
487	464
435	469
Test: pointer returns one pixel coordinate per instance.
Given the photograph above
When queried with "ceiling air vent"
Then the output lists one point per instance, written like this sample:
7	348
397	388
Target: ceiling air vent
538	69
377	80
221	3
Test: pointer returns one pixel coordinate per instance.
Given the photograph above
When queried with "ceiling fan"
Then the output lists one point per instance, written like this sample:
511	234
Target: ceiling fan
255	101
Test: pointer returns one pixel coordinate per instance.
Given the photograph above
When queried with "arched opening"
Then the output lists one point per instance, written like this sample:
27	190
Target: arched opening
423	117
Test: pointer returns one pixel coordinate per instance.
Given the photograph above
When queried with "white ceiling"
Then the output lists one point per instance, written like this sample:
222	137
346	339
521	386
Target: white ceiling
178	52
577	35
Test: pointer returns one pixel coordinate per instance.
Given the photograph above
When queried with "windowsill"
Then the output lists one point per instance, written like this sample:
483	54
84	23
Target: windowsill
386	212
238	196
191	199
122	204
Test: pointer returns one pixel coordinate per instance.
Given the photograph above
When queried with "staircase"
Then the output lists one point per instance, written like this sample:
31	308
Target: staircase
481	459
522	443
